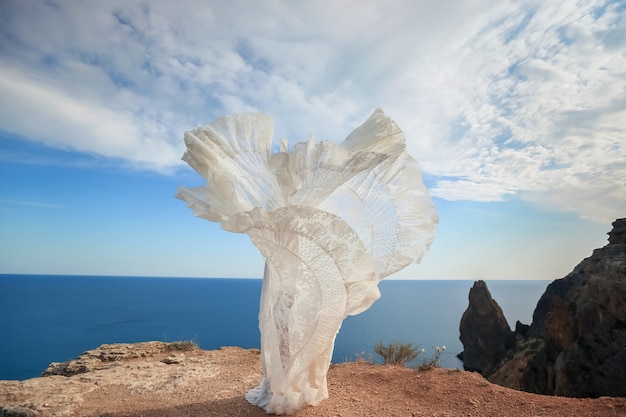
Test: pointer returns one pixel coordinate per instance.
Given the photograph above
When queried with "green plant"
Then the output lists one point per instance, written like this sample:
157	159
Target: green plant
396	353
181	346
433	361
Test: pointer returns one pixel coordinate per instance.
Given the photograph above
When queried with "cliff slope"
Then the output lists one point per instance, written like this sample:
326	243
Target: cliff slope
576	344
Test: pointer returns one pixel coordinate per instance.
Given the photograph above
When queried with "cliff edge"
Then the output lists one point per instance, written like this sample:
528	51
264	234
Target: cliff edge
576	344
155	379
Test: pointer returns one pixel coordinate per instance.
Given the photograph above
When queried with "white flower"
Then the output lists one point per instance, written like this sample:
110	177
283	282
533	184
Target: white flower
444	347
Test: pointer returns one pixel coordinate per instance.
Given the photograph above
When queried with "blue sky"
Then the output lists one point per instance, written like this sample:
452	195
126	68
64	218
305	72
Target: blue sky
514	109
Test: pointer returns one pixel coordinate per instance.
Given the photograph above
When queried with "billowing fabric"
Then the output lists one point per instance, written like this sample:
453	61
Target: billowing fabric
332	220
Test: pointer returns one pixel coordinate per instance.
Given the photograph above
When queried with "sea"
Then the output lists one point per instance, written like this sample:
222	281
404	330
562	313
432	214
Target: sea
54	318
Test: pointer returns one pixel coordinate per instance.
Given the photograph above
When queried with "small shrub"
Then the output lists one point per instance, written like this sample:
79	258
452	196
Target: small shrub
432	362
182	346
396	353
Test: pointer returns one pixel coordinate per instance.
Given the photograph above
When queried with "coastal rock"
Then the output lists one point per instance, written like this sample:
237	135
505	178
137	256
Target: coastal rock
156	370
485	333
576	344
98	358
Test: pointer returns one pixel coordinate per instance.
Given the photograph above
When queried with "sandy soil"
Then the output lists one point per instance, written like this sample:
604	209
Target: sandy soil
356	389
213	383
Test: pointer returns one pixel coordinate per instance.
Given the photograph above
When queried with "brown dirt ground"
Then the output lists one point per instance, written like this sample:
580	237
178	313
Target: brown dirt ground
356	389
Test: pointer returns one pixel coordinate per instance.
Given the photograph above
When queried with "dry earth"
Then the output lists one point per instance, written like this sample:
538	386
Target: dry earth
147	380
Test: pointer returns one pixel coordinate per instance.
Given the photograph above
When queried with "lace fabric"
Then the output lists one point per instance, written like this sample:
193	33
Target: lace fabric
331	220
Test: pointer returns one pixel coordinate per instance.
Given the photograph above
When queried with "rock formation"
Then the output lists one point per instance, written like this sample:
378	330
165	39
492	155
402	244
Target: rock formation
485	333
576	344
155	373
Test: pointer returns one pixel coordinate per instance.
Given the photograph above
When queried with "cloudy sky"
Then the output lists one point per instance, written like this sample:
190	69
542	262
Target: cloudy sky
516	111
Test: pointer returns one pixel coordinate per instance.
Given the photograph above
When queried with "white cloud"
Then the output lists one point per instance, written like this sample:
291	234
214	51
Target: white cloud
29	203
536	113
468	190
496	98
60	120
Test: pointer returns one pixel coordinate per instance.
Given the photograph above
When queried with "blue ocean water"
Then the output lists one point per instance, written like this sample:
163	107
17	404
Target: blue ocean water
45	318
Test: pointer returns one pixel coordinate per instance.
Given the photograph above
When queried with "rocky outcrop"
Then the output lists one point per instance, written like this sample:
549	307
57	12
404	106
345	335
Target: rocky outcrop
93	360
485	333
157	369
576	344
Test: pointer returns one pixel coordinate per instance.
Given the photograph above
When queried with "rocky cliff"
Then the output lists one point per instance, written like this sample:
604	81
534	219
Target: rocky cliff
119	379
576	344
485	333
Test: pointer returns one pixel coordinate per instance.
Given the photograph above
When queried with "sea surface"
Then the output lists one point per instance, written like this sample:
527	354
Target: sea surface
51	318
